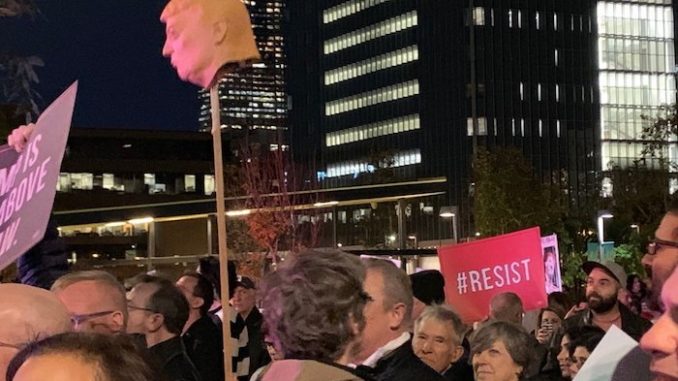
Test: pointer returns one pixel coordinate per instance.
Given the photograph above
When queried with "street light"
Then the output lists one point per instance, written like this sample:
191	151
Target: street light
636	227
451	212
602	216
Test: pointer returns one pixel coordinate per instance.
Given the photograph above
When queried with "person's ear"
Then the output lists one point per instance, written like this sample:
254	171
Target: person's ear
117	321
397	316
197	303
219	31
456	354
154	322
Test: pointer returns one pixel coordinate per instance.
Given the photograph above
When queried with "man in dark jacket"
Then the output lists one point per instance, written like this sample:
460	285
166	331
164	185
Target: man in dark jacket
159	311
604	310
244	302
386	342
202	337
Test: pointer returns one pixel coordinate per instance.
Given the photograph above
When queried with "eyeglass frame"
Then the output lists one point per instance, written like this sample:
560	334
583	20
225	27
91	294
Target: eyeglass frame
133	307
656	244
76	320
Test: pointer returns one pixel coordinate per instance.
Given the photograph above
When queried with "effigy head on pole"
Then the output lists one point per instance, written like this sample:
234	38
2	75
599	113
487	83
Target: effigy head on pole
204	35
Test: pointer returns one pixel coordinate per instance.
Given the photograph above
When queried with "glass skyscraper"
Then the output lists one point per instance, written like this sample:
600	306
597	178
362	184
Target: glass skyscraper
637	73
254	98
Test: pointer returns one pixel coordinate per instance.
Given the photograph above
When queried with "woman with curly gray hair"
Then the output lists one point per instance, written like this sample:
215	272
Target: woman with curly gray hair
313	313
500	351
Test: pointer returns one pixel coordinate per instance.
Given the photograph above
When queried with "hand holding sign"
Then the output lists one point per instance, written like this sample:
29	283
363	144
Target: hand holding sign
27	180
19	137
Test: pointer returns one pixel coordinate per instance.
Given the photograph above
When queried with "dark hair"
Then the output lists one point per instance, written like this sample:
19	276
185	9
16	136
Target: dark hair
209	268
517	342
168	301
203	289
312	304
560	314
588	340
115	357
559	301
575	332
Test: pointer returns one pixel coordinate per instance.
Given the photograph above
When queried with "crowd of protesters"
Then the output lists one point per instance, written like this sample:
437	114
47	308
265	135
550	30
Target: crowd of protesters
326	315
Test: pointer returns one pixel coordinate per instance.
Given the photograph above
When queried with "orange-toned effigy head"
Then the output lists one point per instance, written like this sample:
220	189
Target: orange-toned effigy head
204	35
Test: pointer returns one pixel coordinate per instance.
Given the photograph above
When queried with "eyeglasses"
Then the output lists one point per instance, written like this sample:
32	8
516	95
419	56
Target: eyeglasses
76	320
133	307
657	244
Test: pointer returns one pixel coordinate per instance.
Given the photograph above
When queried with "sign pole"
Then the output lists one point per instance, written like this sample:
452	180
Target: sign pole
221	225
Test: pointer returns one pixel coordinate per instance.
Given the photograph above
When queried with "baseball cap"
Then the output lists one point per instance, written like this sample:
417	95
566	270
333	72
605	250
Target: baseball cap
611	268
244	282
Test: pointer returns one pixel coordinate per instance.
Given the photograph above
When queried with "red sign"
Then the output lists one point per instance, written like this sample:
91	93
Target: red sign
476	271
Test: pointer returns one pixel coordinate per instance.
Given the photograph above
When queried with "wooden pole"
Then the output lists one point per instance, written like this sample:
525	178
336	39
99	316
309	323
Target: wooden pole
221	227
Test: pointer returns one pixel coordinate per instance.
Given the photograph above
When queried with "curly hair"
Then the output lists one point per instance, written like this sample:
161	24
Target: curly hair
312	304
106	354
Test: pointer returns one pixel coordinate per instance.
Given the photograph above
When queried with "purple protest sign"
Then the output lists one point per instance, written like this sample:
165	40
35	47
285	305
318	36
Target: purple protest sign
28	180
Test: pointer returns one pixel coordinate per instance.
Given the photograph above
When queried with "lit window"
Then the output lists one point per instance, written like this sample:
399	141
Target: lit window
478	16
537	22
396	24
521	91
510	18
189	183
209	184
539	91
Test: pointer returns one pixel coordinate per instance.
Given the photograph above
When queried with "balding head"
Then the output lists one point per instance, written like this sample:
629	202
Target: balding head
95	299
27	314
507	306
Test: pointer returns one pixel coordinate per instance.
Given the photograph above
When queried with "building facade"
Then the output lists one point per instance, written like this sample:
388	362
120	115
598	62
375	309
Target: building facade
253	100
426	84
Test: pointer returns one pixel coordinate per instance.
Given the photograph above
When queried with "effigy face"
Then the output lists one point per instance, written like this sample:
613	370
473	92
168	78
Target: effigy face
204	35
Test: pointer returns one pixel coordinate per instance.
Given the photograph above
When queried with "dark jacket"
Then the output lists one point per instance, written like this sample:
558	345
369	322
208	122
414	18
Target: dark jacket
42	264
634	325
401	365
256	351
460	371
172	360
205	347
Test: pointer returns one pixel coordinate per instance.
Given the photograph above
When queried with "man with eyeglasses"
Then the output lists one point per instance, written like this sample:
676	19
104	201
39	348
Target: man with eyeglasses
159	310
95	300
662	253
26	314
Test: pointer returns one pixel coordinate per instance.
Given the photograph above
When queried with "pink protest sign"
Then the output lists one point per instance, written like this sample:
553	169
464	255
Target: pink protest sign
28	180
476	271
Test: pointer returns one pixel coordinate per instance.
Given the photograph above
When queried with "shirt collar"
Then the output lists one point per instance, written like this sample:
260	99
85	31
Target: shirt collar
386	349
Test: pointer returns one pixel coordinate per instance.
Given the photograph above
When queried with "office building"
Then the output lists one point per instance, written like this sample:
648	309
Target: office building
418	86
254	99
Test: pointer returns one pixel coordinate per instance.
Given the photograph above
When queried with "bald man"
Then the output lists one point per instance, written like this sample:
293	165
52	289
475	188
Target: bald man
507	306
26	314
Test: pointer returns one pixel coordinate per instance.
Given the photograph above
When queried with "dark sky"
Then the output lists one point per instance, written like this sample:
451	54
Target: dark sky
113	47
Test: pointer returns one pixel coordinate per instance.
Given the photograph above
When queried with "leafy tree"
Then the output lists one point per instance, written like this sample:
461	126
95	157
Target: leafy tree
18	98
658	131
509	197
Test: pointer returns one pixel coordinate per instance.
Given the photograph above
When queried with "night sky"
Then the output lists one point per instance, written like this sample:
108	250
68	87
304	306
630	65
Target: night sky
113	47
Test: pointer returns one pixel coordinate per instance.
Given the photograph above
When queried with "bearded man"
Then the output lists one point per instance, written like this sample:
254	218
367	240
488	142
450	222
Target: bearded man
603	284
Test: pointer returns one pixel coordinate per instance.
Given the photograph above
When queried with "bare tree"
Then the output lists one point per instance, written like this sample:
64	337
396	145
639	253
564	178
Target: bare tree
277	189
